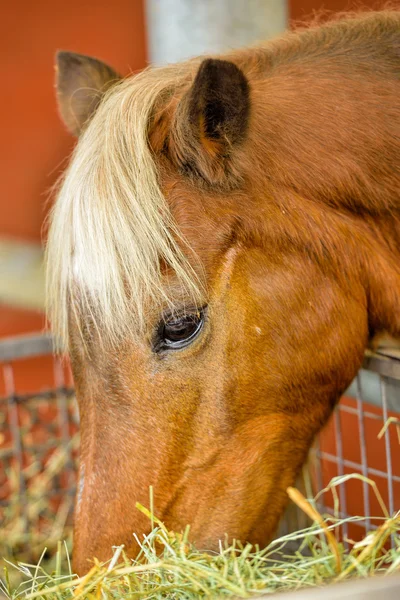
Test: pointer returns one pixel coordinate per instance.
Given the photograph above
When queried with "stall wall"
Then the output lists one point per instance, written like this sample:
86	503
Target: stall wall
34	144
304	9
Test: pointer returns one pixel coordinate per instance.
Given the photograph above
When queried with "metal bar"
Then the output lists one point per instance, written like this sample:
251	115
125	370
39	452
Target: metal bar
340	465
363	451
318	465
379	363
371	588
43	395
354	411
357	466
26	346
9	383
387	447
388	451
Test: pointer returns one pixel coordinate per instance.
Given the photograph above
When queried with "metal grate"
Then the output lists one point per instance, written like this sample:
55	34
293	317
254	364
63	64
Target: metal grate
39	425
38	445
364	438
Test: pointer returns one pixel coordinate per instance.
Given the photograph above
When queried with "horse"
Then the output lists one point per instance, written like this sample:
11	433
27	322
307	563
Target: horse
224	243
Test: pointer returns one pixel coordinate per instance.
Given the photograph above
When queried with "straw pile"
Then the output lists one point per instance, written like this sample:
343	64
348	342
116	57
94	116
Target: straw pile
178	570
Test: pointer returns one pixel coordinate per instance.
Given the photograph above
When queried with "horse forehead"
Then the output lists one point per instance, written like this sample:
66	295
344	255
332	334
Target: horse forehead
232	275
228	264
205	227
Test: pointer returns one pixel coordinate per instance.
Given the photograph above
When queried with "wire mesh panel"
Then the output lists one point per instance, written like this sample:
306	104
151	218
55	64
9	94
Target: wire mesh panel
39	446
364	438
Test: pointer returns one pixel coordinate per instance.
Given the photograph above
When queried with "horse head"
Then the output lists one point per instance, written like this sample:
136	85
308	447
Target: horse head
224	243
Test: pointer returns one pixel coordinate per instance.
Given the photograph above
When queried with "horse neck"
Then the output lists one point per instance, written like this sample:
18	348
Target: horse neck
354	246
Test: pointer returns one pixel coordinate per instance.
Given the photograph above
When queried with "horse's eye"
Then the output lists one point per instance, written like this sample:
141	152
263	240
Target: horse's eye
177	332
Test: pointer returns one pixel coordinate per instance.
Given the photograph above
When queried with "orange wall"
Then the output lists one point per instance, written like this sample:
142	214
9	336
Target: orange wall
34	144
299	9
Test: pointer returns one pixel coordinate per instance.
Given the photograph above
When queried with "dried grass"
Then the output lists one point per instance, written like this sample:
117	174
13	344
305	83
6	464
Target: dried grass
178	570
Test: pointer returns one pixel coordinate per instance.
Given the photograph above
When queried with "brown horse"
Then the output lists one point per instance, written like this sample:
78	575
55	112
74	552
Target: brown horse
223	245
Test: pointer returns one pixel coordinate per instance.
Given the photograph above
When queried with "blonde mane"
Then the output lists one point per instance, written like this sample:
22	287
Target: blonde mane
110	228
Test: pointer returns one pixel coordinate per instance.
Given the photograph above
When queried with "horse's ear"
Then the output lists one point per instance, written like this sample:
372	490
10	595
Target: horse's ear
212	118
80	83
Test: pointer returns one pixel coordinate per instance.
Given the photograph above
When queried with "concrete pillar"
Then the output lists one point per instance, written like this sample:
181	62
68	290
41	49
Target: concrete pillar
179	29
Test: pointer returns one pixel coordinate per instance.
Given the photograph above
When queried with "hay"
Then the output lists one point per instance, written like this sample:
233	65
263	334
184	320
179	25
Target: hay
168	566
